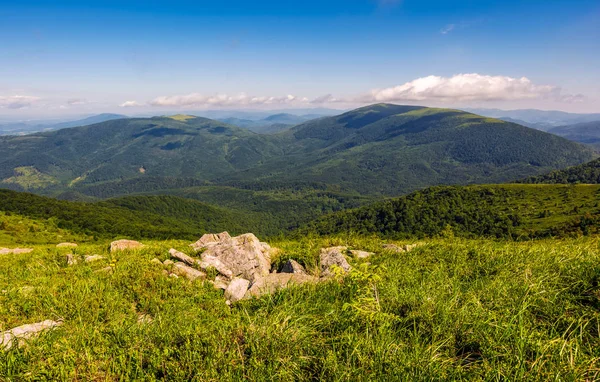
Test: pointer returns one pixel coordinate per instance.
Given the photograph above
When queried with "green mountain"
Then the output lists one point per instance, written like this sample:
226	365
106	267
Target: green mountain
390	150
501	211
178	146
380	149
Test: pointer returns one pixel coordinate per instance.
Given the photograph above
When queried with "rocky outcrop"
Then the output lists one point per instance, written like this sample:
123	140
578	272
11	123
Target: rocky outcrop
25	332
333	256
66	245
241	256
236	290
292	266
276	281
123	245
15	251
209	239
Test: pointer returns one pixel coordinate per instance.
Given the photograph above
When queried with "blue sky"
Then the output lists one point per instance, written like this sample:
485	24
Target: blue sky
75	57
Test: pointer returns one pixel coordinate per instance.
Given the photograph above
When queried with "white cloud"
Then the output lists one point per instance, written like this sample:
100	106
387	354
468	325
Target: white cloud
196	99
130	104
463	87
447	29
17	101
327	98
76	101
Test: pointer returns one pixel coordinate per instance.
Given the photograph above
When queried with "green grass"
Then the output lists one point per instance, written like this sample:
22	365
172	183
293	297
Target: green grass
452	309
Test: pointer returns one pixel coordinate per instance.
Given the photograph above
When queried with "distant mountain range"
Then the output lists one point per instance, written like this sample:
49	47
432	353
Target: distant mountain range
272	123
380	149
538	119
20	128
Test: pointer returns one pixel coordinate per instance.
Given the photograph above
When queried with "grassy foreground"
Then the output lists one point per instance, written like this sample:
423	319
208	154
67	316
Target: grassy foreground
451	309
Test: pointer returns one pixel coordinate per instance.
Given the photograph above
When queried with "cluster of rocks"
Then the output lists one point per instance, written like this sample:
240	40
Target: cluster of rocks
243	264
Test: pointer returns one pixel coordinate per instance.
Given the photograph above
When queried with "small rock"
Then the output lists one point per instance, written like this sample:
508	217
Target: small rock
333	256
173	276
168	262
393	248
91	258
25	332
276	281
66	245
182	257
156	261
361	254
122	245
108	269
15	251
144	319
186	271
237	289
292	266
221	282
71	260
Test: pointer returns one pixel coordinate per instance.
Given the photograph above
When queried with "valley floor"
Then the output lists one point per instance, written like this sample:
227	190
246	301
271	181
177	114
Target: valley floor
450	309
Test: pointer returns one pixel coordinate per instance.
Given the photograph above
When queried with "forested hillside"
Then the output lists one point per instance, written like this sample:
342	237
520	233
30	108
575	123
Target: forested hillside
159	217
587	173
501	211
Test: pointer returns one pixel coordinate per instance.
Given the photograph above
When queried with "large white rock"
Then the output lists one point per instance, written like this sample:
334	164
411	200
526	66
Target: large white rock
241	256
25	332
236	290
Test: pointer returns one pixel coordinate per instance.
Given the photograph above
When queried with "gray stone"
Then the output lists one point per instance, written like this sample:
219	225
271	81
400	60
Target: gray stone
25	332
333	256
361	254
275	281
186	271
292	266
123	245
66	245
71	260
92	258
236	290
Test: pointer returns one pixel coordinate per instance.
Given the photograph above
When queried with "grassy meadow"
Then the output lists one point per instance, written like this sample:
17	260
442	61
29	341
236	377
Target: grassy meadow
452	309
